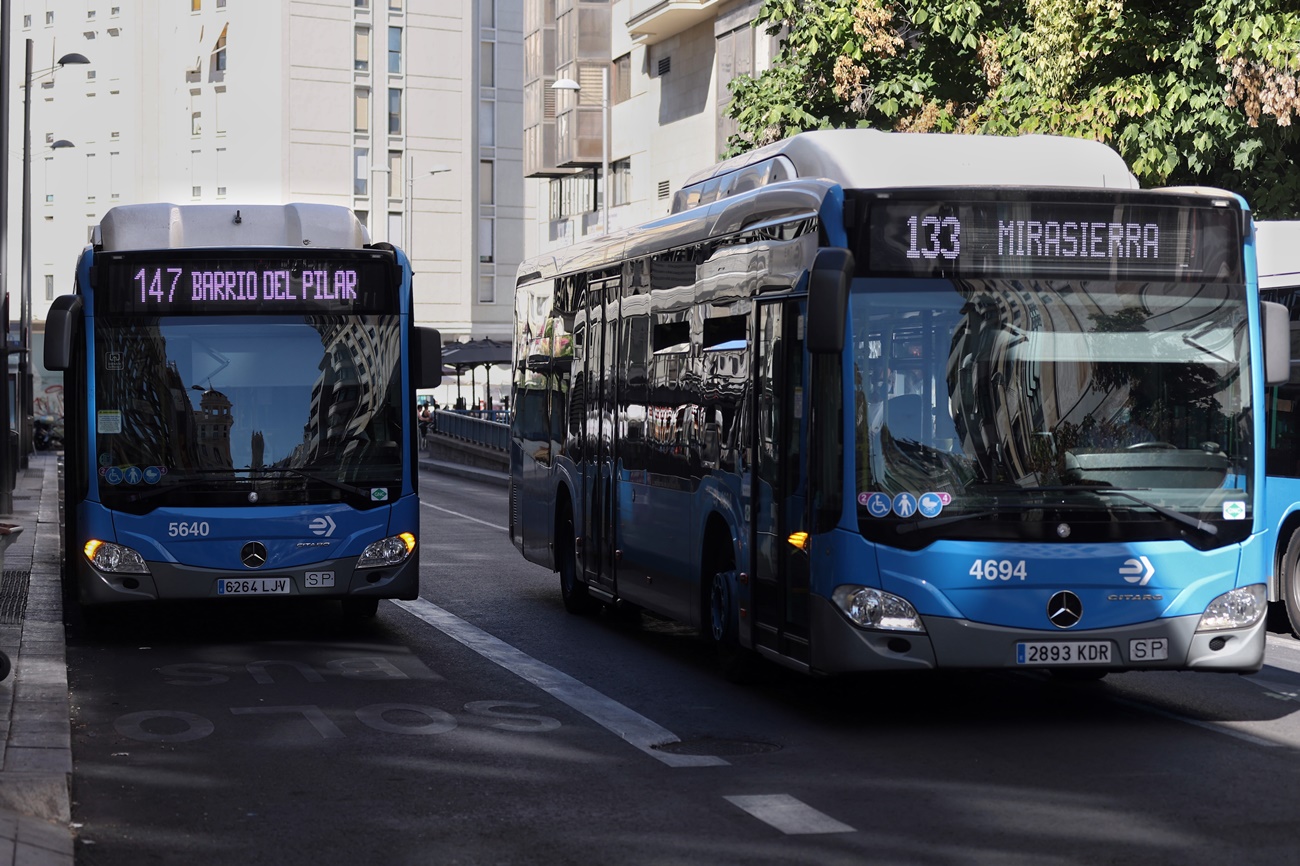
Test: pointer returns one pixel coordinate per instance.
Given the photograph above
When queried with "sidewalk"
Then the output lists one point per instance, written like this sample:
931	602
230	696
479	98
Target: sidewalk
36	746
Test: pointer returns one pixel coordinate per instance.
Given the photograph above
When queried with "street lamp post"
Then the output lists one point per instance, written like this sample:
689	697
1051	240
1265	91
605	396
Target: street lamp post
408	215
575	87
25	386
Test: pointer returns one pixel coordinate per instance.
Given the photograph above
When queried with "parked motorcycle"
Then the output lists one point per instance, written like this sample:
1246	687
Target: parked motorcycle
47	433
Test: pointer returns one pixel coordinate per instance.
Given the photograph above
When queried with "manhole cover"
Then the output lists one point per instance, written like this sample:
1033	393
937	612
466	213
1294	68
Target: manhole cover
717	746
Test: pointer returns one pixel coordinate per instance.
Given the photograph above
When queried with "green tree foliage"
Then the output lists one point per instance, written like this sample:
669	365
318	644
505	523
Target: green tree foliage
1188	91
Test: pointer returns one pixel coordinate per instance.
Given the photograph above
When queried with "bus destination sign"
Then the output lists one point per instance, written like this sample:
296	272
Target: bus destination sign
1019	237
155	286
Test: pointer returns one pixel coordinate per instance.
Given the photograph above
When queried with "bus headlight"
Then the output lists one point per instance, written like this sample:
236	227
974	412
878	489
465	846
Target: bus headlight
391	551
874	608
1237	608
114	558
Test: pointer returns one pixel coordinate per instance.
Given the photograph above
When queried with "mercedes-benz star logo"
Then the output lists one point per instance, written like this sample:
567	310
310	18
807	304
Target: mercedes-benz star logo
1064	609
253	554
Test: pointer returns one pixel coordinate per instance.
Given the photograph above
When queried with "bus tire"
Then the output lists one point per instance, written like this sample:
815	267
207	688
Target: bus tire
739	665
573	591
1291	582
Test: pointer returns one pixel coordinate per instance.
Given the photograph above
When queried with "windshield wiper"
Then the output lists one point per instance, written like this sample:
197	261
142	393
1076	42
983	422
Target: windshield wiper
324	479
1170	513
1186	519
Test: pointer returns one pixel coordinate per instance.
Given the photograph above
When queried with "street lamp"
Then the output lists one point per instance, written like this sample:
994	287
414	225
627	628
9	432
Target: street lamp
571	85
408	215
24	390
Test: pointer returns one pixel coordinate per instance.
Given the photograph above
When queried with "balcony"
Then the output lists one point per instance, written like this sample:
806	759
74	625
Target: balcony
654	21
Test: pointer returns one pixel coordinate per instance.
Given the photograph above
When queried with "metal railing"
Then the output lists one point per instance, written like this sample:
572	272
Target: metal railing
487	428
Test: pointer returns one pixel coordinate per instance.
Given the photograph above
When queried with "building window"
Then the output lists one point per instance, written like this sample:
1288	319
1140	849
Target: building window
49	17
219	101
196	123
196	5
486	192
395	228
487	289
621	180
361	111
361	175
394	49
395	174
219	54
487	13
622	79
485	233
487	127
27	22
361	4
487	64
361	50
394	5
394	111
49	287
196	191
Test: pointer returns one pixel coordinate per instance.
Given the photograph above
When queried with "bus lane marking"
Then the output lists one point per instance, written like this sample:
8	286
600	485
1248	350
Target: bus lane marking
466	517
792	817
631	726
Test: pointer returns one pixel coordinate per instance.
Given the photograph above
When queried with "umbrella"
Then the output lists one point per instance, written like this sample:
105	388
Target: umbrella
471	355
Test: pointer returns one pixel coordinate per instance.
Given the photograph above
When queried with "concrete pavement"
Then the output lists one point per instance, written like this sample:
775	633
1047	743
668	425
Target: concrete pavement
36	742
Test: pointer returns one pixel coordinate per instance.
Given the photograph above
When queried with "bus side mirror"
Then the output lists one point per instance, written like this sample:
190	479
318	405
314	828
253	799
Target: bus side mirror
428	358
61	325
1276	335
828	301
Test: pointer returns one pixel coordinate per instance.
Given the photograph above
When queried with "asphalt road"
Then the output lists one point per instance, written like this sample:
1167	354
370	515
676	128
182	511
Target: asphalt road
483	724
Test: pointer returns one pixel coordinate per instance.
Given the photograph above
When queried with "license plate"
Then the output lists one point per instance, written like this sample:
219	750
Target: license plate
1148	649
318	579
1095	652
254	586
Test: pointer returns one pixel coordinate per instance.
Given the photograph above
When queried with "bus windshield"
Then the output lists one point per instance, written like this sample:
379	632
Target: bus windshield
1051	409
223	410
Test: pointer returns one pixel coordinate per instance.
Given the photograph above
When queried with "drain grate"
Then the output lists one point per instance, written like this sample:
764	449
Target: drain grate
13	596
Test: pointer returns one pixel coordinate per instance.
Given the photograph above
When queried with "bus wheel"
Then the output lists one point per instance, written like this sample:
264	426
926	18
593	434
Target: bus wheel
1291	582
739	665
576	598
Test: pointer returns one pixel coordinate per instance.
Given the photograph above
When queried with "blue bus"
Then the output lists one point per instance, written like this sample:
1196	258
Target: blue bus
1278	261
870	401
239	397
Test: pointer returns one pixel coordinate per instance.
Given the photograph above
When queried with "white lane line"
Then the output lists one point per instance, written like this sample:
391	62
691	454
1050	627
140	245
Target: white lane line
466	516
789	815
633	727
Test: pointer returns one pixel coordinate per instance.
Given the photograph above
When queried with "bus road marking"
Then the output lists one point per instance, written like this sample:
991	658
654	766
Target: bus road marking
631	726
789	815
466	516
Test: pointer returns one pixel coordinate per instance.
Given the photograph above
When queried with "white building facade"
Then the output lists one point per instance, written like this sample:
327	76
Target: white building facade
669	63
408	111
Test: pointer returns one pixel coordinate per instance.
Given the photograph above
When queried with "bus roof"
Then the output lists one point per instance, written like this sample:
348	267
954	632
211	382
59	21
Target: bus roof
875	159
1277	253
165	226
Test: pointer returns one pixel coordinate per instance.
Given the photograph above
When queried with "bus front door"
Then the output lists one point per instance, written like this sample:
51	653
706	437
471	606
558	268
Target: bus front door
780	570
598	427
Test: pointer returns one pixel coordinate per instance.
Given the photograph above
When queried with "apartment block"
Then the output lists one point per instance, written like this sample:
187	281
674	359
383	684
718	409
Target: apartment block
408	111
657	72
